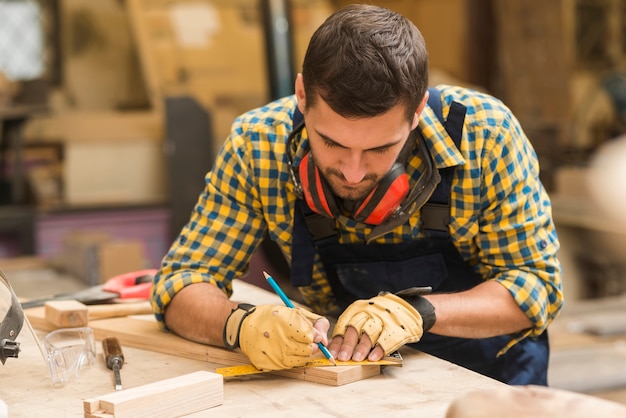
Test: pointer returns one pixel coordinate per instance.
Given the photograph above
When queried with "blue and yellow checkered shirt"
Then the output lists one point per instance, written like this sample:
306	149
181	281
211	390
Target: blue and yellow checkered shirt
500	220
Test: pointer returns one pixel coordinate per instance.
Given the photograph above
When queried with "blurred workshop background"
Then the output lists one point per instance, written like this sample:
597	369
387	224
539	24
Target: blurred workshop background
112	111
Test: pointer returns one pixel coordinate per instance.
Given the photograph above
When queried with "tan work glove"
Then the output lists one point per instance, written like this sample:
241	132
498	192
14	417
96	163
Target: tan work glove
388	320
273	337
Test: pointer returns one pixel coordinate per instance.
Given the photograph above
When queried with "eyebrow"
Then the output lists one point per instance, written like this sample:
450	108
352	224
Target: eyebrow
379	148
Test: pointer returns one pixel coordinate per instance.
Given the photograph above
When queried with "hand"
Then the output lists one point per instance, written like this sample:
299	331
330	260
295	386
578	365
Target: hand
278	337
385	323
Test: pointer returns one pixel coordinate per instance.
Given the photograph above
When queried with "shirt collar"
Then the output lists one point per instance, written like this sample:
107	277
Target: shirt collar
441	146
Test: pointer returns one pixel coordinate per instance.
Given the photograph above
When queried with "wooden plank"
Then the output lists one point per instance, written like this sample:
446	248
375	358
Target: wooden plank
332	376
349	374
144	333
177	396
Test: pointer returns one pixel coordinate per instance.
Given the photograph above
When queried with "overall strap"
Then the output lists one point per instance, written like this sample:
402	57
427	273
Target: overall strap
309	229
320	227
297	117
436	212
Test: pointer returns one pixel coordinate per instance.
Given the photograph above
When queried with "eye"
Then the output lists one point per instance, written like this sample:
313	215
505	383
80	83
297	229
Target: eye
380	151
330	144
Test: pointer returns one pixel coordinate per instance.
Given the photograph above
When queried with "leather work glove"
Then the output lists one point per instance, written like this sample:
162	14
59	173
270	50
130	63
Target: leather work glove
273	337
388	320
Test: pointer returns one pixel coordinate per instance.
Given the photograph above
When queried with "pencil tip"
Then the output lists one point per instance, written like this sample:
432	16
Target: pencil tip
267	276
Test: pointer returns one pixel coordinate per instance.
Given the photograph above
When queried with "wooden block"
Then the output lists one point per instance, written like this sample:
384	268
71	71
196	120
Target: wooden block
66	313
178	396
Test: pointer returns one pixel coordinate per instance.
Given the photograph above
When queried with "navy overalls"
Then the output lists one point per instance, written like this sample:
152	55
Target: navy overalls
360	271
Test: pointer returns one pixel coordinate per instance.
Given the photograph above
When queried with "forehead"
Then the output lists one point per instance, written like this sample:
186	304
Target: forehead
369	132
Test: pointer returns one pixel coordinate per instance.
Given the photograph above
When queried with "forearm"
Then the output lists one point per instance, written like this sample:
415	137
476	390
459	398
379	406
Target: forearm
484	311
198	313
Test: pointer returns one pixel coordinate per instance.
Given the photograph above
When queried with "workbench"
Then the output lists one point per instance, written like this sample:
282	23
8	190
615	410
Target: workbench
424	386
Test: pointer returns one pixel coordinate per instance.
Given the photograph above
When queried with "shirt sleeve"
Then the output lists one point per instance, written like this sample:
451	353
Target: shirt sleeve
224	230
518	243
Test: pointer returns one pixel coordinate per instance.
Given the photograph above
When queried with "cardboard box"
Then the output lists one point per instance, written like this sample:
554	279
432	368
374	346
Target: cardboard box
114	173
95	257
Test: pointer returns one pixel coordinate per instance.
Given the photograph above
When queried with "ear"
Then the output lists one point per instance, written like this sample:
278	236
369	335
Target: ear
418	112
300	93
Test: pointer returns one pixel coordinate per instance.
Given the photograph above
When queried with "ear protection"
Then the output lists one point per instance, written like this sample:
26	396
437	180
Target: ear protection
381	202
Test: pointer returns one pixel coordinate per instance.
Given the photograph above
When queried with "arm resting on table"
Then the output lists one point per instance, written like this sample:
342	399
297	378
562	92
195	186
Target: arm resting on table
198	313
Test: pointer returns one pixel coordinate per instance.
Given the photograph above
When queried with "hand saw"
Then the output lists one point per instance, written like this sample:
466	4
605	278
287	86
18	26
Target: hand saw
394	359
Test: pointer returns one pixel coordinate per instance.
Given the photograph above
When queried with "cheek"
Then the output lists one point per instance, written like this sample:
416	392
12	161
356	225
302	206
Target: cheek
325	157
378	165
381	163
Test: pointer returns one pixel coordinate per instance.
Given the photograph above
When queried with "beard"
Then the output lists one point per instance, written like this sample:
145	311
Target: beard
353	192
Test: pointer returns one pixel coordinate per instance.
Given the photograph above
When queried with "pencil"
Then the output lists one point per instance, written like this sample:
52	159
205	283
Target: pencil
289	304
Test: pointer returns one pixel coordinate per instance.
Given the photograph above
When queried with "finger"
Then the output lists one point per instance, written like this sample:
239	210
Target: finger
350	340
335	345
376	354
320	330
373	328
362	349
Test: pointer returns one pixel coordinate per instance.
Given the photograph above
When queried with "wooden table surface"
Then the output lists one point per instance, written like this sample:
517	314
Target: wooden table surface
424	386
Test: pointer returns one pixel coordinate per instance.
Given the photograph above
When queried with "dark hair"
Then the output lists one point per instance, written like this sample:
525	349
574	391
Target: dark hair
364	60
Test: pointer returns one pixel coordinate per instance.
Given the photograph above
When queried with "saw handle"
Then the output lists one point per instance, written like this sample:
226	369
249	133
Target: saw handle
115	310
133	285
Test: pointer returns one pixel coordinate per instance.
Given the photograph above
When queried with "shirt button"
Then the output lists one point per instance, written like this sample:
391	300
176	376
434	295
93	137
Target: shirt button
543	244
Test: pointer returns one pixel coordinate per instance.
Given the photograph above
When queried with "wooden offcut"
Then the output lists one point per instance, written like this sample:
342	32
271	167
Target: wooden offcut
66	313
183	395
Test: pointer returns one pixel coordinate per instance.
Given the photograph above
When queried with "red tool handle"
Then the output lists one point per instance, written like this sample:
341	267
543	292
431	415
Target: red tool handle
133	285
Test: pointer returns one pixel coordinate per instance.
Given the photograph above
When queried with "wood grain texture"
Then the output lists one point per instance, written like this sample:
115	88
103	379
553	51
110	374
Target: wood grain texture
183	395
115	310
66	313
144	333
423	387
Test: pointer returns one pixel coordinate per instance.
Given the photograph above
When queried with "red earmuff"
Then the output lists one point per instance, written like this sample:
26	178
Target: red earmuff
385	198
373	210
317	193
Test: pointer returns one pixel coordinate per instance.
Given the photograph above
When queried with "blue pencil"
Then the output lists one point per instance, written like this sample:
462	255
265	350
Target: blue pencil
289	304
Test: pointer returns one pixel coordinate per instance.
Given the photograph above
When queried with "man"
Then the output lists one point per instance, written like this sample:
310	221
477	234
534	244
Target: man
375	192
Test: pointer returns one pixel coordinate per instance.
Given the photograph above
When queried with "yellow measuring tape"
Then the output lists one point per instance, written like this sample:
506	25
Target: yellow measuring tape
245	369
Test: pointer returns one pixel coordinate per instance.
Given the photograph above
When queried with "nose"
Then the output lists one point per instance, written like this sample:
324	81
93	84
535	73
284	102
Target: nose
353	168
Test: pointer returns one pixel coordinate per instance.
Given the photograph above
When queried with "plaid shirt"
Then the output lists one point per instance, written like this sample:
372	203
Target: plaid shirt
500	216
